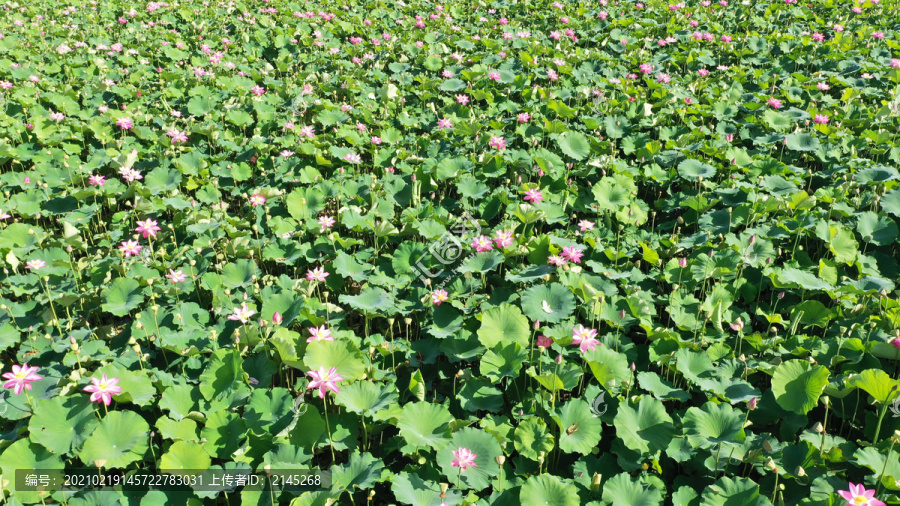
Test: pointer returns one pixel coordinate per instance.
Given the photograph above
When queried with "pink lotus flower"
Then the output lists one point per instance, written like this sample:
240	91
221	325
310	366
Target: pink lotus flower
376	140
586	339
96	180
352	158
738	325
462	99
35	264
21	377
324	380
523	117
257	200
319	334
556	260
176	276
878	35
534	196
177	136
774	103
103	389
482	243
494	76
257	90
439	296
57	116
125	123
464	459
544	342
821	119
130	248
497	142
572	254
682	262
444	123
242	313
586	225
308	131
646	68
896	342
503	238
895	63
317	274
326	222
276	318
703	72
859	496
148	227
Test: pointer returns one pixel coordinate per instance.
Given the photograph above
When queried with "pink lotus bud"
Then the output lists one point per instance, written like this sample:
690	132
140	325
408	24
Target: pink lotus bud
781	295
622	314
896	342
752	404
559	359
682	262
752	238
276	318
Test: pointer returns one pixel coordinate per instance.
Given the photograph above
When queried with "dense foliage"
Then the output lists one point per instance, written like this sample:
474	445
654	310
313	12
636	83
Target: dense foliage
512	252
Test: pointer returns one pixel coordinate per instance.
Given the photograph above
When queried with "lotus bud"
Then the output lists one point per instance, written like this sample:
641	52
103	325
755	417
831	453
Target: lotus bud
752	404
559	359
771	465
276	318
633	367
818	427
799	472
896	437
595	482
896	342
826	401
537	325
682	262
500	459
780	295
622	314
767	446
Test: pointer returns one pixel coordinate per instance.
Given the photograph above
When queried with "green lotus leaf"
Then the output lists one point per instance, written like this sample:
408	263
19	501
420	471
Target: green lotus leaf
547	489
121	438
797	385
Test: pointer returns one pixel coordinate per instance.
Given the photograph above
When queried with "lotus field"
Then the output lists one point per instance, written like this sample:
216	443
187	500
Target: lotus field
450	253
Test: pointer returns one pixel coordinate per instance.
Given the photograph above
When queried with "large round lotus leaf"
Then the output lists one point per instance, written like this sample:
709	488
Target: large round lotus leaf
409	488
23	454
484	446
624	490
532	438
644	426
362	471
551	303
504	323
876	383
579	429
121	296
797	385
548	490
269	411
185	455
712	424
801	142
574	144
425	424
340	354
692	170
62	424
121	438
733	490
365	397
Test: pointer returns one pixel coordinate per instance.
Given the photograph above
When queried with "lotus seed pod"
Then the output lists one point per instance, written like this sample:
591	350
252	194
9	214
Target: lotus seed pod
818	427
500	459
